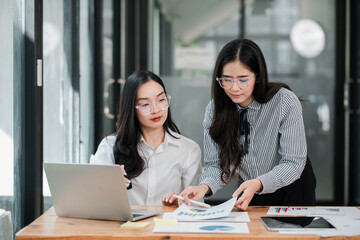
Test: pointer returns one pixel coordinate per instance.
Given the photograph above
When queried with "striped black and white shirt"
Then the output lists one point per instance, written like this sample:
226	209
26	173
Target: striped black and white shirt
277	149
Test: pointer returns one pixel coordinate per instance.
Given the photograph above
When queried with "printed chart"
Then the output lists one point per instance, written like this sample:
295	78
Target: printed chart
288	211
305	211
232	217
205	227
185	212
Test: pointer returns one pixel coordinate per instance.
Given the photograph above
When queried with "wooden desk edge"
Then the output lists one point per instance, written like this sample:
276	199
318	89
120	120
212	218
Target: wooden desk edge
71	228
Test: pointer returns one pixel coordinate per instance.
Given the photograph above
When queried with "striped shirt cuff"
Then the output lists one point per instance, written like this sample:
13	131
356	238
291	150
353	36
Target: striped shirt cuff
212	185
268	181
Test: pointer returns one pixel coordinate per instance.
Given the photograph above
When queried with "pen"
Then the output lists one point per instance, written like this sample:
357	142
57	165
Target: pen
194	202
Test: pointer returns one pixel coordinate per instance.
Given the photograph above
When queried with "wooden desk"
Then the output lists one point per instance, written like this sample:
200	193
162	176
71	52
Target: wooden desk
49	226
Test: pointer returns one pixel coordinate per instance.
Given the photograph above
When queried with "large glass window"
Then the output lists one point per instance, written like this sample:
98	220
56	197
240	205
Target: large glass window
67	88
6	107
298	41
191	34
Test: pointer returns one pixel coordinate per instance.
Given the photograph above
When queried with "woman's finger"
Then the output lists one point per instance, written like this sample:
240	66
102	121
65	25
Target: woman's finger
123	169
165	201
169	199
169	196
186	194
127	181
242	206
240	189
245	205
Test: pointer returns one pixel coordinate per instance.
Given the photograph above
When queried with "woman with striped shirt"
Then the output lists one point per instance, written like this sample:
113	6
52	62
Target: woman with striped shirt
253	131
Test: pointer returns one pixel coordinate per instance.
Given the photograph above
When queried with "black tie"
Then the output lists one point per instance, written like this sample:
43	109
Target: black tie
244	129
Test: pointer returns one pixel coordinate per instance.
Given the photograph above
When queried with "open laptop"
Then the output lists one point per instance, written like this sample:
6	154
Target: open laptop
91	191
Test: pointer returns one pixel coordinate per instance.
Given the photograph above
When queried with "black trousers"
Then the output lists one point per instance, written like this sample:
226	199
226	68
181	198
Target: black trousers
299	193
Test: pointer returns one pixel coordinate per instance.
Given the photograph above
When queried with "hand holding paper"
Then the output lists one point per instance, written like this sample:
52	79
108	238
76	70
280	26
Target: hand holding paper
194	193
185	212
248	189
194	202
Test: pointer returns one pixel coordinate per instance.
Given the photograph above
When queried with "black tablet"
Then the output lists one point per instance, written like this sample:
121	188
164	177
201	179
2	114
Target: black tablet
296	223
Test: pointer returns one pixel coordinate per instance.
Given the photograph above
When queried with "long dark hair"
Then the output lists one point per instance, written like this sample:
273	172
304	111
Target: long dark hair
225	122
128	129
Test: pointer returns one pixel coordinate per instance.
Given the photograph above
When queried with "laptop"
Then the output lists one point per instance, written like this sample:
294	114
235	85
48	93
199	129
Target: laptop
91	192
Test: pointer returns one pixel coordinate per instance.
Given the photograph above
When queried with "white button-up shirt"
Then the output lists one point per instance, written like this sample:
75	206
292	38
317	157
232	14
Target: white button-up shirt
173	166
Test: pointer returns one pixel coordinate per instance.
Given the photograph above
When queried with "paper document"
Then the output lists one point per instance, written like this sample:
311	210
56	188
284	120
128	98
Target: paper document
205	227
232	217
306	211
334	211
345	219
292	211
185	212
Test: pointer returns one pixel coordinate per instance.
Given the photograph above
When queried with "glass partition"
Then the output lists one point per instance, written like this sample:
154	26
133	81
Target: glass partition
6	107
68	81
298	40
191	35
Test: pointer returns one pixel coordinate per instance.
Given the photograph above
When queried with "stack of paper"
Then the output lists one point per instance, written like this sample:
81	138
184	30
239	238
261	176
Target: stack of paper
218	219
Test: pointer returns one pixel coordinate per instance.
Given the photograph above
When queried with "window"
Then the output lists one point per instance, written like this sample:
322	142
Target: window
269	24
6	107
68	81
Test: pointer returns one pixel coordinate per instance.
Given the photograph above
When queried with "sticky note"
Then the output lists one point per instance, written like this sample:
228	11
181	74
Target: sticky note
135	224
165	222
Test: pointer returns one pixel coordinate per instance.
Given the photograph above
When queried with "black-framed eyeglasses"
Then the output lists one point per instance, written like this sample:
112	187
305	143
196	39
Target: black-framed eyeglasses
227	83
162	104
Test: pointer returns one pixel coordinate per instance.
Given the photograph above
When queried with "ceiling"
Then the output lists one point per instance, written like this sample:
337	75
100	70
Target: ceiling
192	18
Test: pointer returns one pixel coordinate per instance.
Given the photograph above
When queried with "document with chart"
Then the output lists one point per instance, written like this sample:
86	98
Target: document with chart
185	212
204	227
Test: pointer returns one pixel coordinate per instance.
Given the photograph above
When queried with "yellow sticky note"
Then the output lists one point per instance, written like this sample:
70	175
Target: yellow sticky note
165	222
135	224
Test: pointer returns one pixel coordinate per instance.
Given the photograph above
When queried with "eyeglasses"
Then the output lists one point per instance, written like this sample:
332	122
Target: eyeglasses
227	83
162	104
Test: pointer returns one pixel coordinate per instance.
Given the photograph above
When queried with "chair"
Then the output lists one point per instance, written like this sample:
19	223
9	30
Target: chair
6	229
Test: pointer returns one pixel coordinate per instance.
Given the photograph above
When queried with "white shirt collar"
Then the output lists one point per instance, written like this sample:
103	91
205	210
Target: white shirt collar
167	140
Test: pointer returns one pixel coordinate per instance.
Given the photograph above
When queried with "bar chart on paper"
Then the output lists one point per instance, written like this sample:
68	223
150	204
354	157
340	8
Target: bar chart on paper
185	212
288	211
306	211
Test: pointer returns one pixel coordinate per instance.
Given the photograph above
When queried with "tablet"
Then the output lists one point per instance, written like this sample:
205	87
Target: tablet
296	223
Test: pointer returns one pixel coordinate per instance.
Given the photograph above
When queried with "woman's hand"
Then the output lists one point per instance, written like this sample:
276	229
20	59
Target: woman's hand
194	193
127	181
248	188
169	199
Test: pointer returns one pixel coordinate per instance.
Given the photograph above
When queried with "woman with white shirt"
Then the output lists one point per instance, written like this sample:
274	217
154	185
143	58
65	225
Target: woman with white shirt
156	158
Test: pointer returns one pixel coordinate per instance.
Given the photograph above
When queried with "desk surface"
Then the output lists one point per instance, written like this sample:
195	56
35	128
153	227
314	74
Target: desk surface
49	226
